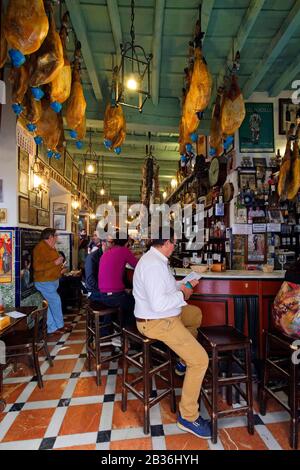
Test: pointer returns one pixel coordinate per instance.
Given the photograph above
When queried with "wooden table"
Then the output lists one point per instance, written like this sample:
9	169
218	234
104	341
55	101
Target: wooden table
15	323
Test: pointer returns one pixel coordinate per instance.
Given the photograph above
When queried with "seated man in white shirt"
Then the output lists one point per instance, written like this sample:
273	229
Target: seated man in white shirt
162	313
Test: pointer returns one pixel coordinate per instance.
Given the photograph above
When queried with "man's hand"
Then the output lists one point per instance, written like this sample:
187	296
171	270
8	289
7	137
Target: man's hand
186	292
194	283
58	261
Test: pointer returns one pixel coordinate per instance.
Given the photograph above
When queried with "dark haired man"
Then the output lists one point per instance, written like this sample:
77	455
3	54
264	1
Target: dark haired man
162	313
47	267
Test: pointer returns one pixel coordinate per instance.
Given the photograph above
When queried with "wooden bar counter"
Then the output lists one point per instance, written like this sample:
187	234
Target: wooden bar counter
247	296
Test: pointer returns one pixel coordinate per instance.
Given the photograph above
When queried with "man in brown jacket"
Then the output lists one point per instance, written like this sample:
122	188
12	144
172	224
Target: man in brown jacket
47	269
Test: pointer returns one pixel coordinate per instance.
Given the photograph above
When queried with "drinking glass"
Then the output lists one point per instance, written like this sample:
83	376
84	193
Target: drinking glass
282	260
210	262
185	262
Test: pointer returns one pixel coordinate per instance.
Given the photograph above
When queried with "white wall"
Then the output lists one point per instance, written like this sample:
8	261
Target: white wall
8	162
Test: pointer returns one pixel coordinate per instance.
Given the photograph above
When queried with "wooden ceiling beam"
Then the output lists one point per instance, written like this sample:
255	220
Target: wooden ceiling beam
239	41
78	23
284	82
156	49
289	26
115	21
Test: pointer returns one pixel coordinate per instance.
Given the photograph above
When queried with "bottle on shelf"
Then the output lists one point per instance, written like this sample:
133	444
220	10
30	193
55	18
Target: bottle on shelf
1	304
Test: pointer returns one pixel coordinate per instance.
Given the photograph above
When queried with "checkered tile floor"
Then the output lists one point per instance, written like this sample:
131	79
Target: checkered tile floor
71	412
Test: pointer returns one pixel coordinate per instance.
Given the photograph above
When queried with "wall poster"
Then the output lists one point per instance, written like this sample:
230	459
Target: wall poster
6	247
257	131
29	239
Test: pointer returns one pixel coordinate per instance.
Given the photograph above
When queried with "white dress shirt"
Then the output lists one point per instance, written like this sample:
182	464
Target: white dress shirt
155	289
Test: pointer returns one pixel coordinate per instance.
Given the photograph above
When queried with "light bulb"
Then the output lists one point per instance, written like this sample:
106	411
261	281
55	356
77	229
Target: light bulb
90	169
174	183
37	181
110	203
102	191
132	83
164	195
92	216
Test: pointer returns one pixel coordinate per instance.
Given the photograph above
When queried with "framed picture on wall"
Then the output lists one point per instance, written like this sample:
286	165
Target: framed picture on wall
32	198
247	180
45	201
256	248
43	218
23	160
23	210
58	165
32	215
23	183
257	131
59	221
287	114
60	207
68	167
3	216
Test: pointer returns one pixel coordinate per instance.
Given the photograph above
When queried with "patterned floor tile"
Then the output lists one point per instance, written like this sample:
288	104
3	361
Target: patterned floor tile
52	390
88	387
132	418
81	419
84	447
11	392
240	439
281	432
186	441
31	424
62	366
136	444
67	349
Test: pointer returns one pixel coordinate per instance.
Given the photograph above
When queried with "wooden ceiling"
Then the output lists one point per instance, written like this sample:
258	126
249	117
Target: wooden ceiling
267	33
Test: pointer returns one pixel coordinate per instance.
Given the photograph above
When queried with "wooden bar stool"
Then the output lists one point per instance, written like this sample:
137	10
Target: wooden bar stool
94	338
221	343
151	361
281	354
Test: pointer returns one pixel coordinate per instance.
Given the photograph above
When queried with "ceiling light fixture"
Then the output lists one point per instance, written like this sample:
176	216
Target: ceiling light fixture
133	74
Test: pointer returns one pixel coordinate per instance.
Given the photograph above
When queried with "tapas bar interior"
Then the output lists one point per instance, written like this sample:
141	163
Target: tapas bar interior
119	116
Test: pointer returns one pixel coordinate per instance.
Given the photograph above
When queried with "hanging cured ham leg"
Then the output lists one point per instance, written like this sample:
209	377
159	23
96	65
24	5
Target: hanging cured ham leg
233	109
26	26
114	127
47	62
61	84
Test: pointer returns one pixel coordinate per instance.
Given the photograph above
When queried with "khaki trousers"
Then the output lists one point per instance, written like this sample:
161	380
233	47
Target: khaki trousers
179	333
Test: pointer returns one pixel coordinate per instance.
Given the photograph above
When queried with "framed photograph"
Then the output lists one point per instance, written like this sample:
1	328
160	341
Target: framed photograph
7	244
23	161
247	180
59	221
259	162
45	201
39	200
23	183
3	216
32	198
68	167
75	174
33	216
1	190
287	114
43	218
257	131
275	216
241	215
23	210
60	207
256	248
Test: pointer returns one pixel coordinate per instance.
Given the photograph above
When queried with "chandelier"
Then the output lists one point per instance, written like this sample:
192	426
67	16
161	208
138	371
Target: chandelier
133	74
